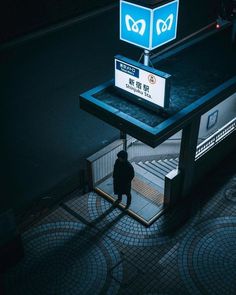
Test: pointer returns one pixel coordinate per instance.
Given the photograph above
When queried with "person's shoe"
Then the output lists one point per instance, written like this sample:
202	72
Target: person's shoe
116	203
127	205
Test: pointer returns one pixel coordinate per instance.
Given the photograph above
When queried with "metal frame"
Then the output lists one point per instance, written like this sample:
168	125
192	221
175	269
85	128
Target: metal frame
153	136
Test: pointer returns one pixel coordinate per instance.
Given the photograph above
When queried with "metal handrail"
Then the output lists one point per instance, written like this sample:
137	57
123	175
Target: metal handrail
112	146
215	138
100	164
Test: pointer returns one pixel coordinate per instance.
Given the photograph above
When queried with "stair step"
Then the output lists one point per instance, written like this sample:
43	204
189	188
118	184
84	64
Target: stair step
155	171
149	176
160	165
170	164
172	161
176	161
151	170
157	168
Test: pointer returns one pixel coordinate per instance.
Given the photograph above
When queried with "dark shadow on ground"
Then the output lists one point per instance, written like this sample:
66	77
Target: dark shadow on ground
177	217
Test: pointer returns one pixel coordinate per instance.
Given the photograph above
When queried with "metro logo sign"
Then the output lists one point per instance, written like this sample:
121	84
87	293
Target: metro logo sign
165	24
148	28
132	25
135	23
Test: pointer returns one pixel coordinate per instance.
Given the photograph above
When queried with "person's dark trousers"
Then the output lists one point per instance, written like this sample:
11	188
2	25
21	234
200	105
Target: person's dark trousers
128	198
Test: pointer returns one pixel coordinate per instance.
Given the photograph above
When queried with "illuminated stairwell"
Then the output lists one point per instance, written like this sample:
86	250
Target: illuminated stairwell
156	170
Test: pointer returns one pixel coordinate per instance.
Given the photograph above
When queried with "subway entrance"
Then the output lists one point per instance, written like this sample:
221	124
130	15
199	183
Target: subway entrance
174	134
152	168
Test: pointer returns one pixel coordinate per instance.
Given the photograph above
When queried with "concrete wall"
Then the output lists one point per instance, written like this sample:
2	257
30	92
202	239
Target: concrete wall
212	159
226	112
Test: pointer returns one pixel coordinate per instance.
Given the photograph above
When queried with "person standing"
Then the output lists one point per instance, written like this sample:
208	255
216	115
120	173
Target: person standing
123	174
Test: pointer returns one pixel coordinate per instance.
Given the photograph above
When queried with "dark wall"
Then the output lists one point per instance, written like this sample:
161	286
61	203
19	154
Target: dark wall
212	159
194	15
18	17
22	16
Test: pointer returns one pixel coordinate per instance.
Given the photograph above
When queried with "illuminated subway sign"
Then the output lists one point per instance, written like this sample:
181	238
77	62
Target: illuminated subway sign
148	28
142	82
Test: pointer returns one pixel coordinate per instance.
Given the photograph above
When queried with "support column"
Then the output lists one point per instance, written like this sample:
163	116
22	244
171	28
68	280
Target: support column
123	136
187	155
172	188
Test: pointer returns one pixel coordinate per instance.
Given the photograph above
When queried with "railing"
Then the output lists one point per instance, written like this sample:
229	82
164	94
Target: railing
169	148
215	138
101	164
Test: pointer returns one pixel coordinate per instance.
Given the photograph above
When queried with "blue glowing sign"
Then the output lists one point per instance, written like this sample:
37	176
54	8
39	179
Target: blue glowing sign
165	23
135	23
148	28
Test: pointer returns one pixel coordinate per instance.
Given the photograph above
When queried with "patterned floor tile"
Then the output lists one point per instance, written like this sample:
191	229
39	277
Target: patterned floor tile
65	258
207	257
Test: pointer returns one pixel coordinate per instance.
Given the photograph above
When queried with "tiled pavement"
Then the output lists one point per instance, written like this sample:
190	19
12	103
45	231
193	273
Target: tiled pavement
88	246
147	198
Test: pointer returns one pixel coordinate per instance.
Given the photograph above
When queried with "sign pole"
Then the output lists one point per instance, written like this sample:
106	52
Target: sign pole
123	136
146	57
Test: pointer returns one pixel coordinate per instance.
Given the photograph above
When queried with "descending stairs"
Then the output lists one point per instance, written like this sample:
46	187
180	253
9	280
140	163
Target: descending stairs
156	170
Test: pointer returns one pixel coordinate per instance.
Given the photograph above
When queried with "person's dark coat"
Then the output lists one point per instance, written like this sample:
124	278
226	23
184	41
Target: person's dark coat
123	174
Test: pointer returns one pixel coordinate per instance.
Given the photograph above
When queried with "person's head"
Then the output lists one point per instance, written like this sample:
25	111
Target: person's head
122	156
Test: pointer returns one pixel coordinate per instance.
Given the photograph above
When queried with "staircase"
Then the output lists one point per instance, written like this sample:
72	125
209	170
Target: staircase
156	170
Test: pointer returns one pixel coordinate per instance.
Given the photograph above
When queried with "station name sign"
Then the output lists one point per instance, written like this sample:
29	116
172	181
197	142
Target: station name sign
144	82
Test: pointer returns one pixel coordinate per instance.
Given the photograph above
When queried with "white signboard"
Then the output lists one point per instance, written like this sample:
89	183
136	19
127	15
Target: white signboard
142	81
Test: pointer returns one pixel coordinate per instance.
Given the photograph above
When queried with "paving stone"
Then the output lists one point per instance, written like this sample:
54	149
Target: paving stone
65	258
88	246
207	257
